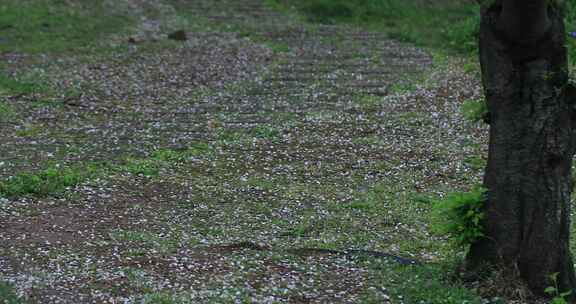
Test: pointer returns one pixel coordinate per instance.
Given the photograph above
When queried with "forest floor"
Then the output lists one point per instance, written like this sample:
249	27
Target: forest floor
240	165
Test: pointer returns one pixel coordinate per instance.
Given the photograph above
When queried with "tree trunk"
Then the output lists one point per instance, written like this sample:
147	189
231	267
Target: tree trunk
532	141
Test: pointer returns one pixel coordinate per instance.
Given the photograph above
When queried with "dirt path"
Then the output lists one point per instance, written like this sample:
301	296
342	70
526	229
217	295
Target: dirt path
259	130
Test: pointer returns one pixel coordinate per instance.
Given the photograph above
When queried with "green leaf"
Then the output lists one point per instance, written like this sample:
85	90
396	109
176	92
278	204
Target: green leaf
550	290
554	276
558	301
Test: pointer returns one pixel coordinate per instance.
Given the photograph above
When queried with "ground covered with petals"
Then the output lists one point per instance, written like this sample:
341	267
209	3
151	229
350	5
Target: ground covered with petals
243	164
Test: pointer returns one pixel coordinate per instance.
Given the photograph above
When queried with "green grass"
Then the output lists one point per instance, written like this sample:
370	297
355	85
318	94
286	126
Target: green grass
174	156
54	26
52	180
474	110
368	102
475	162
13	86
266	132
226	136
29	130
7	294
49	27
56	179
7	112
142	167
424	284
444	24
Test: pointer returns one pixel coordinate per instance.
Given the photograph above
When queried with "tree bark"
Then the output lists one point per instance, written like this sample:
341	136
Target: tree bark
532	142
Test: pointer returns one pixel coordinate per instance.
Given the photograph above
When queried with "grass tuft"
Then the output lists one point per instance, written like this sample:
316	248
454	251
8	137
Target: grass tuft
474	110
8	295
46	182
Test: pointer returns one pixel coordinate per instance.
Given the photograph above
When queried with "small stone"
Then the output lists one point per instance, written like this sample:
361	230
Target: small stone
179	35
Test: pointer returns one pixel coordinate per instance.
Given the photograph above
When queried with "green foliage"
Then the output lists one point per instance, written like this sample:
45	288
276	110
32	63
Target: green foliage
553	291
46	182
7	294
463	36
54	26
460	215
474	110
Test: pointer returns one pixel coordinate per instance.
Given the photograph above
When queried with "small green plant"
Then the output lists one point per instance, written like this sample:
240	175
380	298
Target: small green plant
401	88
279	48
304	228
43	183
474	110
460	215
7	294
475	162
143	167
470	68
266	132
554	291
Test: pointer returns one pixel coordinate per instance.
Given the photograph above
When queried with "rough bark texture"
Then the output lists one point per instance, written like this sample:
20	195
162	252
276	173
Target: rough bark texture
528	175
